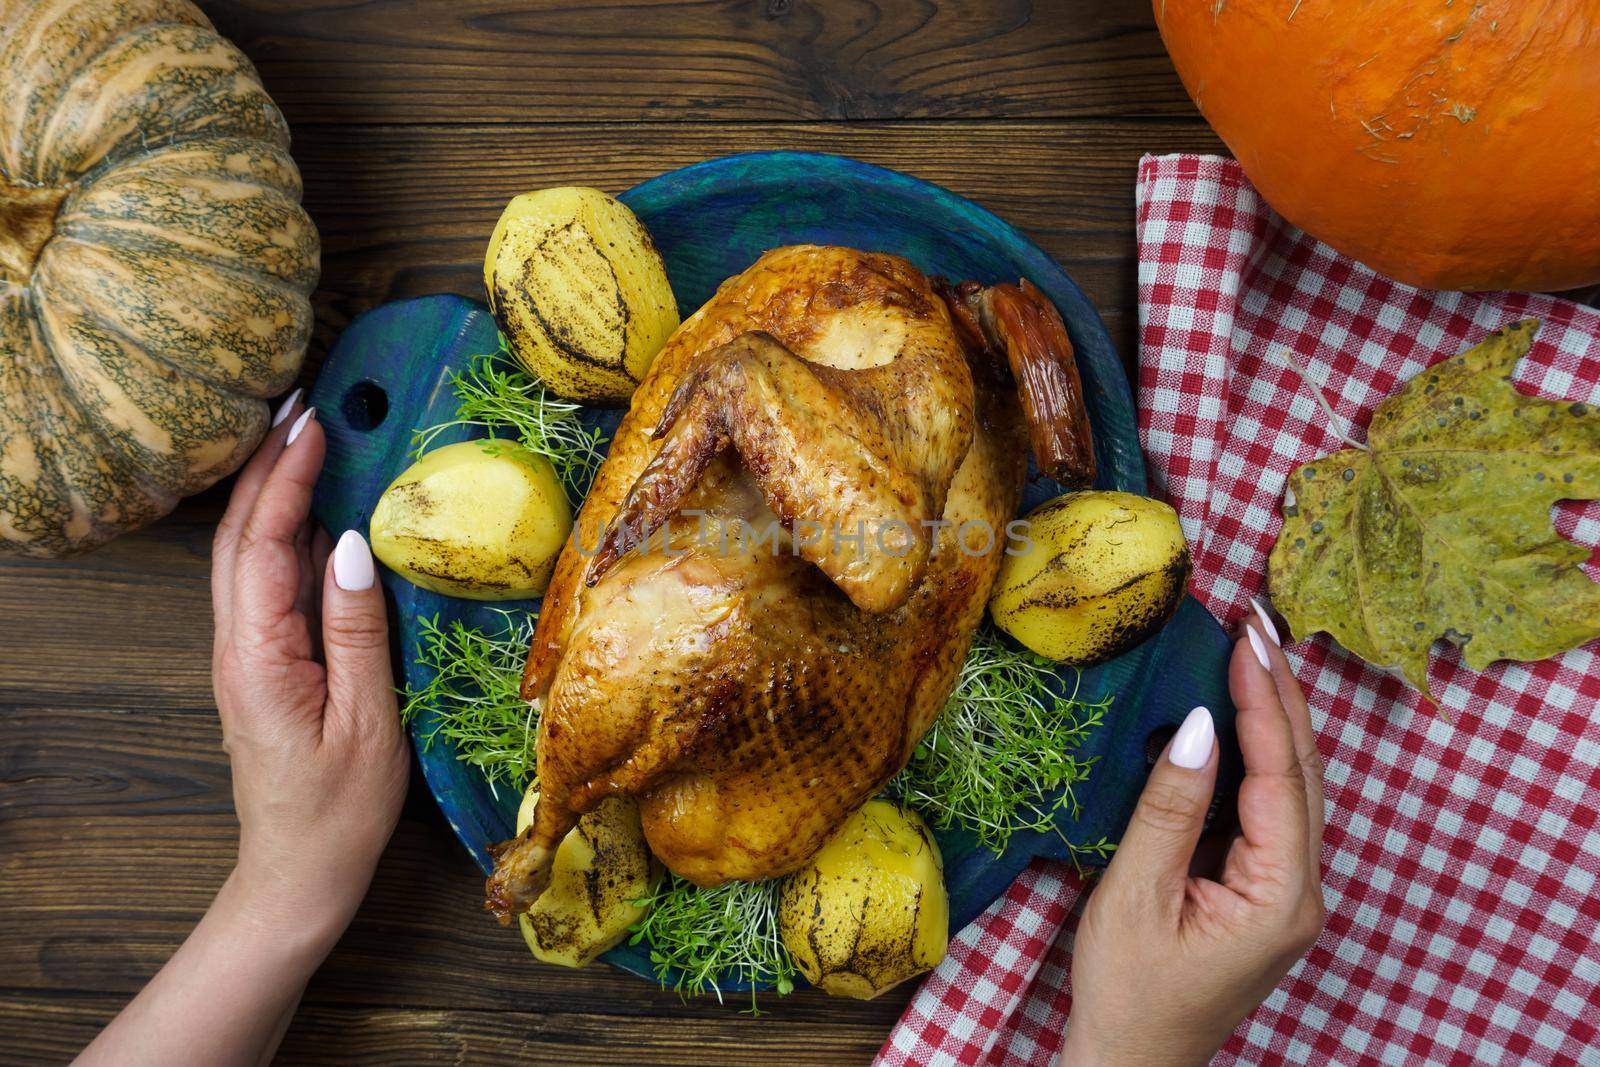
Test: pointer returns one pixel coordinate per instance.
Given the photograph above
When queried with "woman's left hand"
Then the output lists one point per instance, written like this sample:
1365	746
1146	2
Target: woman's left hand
304	688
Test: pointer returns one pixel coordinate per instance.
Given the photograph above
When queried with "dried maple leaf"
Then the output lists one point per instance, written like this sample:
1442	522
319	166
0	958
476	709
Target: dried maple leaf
1441	526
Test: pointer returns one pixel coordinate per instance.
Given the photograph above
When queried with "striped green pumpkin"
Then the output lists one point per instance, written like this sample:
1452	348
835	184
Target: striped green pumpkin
155	265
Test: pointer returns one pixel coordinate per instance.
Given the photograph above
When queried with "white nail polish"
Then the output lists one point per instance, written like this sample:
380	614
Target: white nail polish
1192	744
352	563
299	424
1266	621
286	407
1258	647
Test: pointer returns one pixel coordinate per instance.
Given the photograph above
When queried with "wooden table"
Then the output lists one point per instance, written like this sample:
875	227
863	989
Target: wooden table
414	121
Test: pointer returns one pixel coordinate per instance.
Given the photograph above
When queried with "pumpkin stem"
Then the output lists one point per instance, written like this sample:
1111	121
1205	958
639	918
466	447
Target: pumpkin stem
27	221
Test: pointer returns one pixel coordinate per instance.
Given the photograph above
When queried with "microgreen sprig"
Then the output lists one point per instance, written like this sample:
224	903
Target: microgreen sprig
701	938
475	696
999	758
492	393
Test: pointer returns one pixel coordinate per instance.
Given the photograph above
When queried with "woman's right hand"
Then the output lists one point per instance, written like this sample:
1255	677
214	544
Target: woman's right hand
1166	964
305	691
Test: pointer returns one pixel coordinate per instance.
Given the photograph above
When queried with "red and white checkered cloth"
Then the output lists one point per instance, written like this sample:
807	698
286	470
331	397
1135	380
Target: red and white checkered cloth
1462	851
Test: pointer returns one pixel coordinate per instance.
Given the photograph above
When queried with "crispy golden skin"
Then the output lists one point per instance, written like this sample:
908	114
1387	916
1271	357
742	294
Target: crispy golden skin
752	699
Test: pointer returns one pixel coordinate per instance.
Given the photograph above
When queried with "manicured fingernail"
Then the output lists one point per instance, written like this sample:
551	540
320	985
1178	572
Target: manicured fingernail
1259	647
299	424
352	563
1192	744
1266	620
286	407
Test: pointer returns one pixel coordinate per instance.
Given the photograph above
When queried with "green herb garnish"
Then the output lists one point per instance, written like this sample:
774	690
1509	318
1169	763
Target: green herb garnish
700	937
998	759
475	696
493	394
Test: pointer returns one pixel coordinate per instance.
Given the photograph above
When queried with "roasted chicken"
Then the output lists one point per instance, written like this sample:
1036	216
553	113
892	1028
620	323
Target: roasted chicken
781	563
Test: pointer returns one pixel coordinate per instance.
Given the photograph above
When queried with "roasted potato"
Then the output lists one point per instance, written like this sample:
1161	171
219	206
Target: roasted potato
1103	571
579	291
869	910
479	519
602	868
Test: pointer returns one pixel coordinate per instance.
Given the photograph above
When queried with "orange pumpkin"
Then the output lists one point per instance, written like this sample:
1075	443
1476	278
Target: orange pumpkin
1452	144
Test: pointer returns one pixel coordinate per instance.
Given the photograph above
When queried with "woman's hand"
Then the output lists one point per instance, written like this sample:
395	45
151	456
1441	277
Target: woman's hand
305	691
1166	963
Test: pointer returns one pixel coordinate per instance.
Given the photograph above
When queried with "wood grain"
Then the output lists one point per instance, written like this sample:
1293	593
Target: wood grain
408	61
128	626
50	1030
408	210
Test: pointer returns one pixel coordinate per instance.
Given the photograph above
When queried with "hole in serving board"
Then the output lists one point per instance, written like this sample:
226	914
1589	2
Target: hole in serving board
1156	742
365	406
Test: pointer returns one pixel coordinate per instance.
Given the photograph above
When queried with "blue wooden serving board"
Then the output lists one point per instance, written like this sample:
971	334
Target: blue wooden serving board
387	375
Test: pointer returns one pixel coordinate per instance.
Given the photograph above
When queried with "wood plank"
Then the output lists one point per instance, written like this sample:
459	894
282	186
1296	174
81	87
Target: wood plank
408	210
39	1030
59	762
703	60
127	626
116	829
44	1030
377	1036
